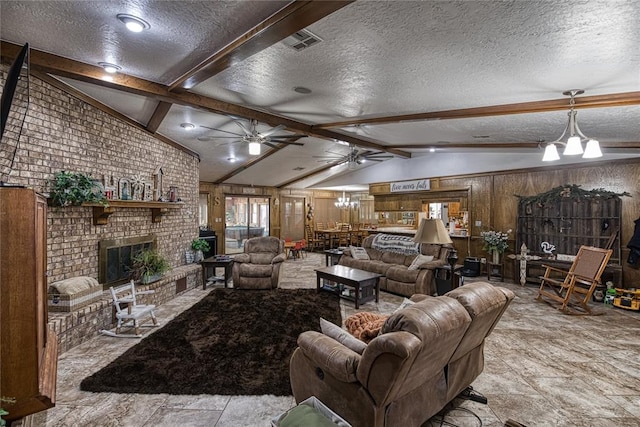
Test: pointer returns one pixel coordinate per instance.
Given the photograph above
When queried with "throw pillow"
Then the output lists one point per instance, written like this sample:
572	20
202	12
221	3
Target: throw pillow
358	252
405	303
342	336
419	260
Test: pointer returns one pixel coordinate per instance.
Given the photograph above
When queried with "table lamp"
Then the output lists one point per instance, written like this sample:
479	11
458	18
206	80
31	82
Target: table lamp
432	230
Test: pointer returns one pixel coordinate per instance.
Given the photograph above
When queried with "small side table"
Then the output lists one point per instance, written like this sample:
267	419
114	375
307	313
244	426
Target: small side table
332	256
213	262
495	270
445	282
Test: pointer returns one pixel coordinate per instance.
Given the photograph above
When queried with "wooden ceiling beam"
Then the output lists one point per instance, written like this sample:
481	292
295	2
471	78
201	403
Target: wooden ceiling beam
595	101
161	111
293	17
310	174
421	146
64	67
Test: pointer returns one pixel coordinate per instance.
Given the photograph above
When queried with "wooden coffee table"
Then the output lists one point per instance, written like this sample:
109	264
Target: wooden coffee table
365	285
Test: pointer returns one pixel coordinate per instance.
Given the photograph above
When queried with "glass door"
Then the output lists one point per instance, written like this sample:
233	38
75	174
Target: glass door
245	217
292	218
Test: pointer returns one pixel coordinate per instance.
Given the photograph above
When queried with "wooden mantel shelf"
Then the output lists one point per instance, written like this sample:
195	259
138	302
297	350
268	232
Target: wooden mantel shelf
101	212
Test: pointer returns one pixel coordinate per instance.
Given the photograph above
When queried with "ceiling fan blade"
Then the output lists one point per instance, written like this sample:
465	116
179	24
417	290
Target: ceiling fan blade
297	135
243	127
287	142
380	158
221	130
268	144
272	130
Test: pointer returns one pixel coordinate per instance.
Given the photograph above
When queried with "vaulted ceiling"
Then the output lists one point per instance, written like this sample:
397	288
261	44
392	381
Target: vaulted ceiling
437	87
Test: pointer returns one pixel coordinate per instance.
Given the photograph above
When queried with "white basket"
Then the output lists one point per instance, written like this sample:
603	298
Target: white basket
321	407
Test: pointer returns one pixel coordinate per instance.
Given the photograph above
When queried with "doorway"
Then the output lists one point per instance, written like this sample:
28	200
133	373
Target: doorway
245	217
292	218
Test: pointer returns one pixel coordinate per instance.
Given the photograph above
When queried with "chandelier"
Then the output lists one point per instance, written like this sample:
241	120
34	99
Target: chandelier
345	203
573	146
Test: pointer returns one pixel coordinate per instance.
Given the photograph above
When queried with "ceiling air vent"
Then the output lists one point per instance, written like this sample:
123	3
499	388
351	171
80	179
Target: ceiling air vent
298	168
301	40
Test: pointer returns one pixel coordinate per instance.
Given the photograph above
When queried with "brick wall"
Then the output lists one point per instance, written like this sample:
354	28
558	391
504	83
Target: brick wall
62	132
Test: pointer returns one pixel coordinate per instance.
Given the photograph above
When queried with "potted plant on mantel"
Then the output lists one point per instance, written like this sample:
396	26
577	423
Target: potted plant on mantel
149	266
199	246
75	188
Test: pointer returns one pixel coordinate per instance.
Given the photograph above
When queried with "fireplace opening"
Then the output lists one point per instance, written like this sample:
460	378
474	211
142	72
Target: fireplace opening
115	258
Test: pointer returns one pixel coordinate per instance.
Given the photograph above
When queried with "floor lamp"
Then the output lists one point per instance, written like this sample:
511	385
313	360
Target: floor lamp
433	231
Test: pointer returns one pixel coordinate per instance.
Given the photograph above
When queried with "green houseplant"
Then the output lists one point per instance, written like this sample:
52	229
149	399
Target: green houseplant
199	246
75	188
148	266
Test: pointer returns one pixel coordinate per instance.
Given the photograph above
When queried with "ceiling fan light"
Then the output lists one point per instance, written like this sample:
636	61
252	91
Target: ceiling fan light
573	147
592	150
254	148
550	153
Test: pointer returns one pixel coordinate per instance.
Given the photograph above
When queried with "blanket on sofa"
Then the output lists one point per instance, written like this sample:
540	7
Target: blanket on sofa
365	325
393	243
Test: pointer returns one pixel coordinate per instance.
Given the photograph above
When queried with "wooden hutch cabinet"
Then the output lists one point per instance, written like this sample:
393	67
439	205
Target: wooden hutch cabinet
28	348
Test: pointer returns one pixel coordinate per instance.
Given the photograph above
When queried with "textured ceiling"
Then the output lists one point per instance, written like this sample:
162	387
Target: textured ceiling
376	59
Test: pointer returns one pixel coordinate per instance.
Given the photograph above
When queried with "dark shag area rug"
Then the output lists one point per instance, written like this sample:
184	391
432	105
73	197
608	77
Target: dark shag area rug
232	342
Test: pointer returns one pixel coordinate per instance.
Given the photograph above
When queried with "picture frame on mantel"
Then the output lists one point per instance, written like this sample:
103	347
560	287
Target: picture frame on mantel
148	192
124	189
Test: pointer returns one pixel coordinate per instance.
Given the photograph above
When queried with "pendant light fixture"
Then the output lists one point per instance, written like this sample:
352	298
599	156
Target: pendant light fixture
573	145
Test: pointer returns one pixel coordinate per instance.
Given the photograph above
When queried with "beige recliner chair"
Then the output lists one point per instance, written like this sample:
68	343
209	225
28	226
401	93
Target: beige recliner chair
259	266
424	356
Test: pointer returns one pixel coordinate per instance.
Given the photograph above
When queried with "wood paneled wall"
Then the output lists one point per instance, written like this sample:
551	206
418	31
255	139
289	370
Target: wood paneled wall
493	199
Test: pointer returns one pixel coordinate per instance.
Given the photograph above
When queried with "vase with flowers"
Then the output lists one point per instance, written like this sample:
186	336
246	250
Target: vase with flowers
496	243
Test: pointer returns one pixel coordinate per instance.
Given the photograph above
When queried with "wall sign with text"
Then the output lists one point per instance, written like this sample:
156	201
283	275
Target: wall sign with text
415	185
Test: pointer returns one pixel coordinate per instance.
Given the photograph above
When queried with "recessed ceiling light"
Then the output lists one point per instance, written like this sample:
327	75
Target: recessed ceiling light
231	159
301	89
133	23
187	126
109	68
432	150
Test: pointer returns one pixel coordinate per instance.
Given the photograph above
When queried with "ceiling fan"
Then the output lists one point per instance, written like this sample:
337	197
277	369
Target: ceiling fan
255	139
355	157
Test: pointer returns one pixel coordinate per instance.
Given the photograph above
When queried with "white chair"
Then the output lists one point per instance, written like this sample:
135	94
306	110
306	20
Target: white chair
128	309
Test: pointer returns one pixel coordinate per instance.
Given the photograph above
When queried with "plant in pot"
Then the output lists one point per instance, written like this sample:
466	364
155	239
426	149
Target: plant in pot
75	188
199	246
149	266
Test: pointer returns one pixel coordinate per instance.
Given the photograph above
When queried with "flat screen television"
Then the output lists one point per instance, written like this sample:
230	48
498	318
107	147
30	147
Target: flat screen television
16	87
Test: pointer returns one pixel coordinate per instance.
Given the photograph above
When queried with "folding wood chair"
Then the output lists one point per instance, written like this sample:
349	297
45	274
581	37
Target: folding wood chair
573	288
128	309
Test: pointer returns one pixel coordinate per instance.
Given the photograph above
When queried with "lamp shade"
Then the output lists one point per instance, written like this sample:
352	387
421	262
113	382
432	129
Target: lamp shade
574	146
432	231
550	153
254	148
592	150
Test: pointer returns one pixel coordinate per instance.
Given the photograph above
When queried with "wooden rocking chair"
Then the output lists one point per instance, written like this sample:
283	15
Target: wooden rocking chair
128	311
573	288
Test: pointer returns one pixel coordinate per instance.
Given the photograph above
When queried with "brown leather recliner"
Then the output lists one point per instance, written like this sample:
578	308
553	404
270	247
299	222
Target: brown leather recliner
259	266
412	369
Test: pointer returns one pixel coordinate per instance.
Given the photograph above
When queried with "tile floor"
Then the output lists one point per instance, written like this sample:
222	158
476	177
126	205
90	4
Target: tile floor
542	368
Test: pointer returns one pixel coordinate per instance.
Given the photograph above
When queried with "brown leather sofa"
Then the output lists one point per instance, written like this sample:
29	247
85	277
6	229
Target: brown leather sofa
394	267
424	356
259	266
